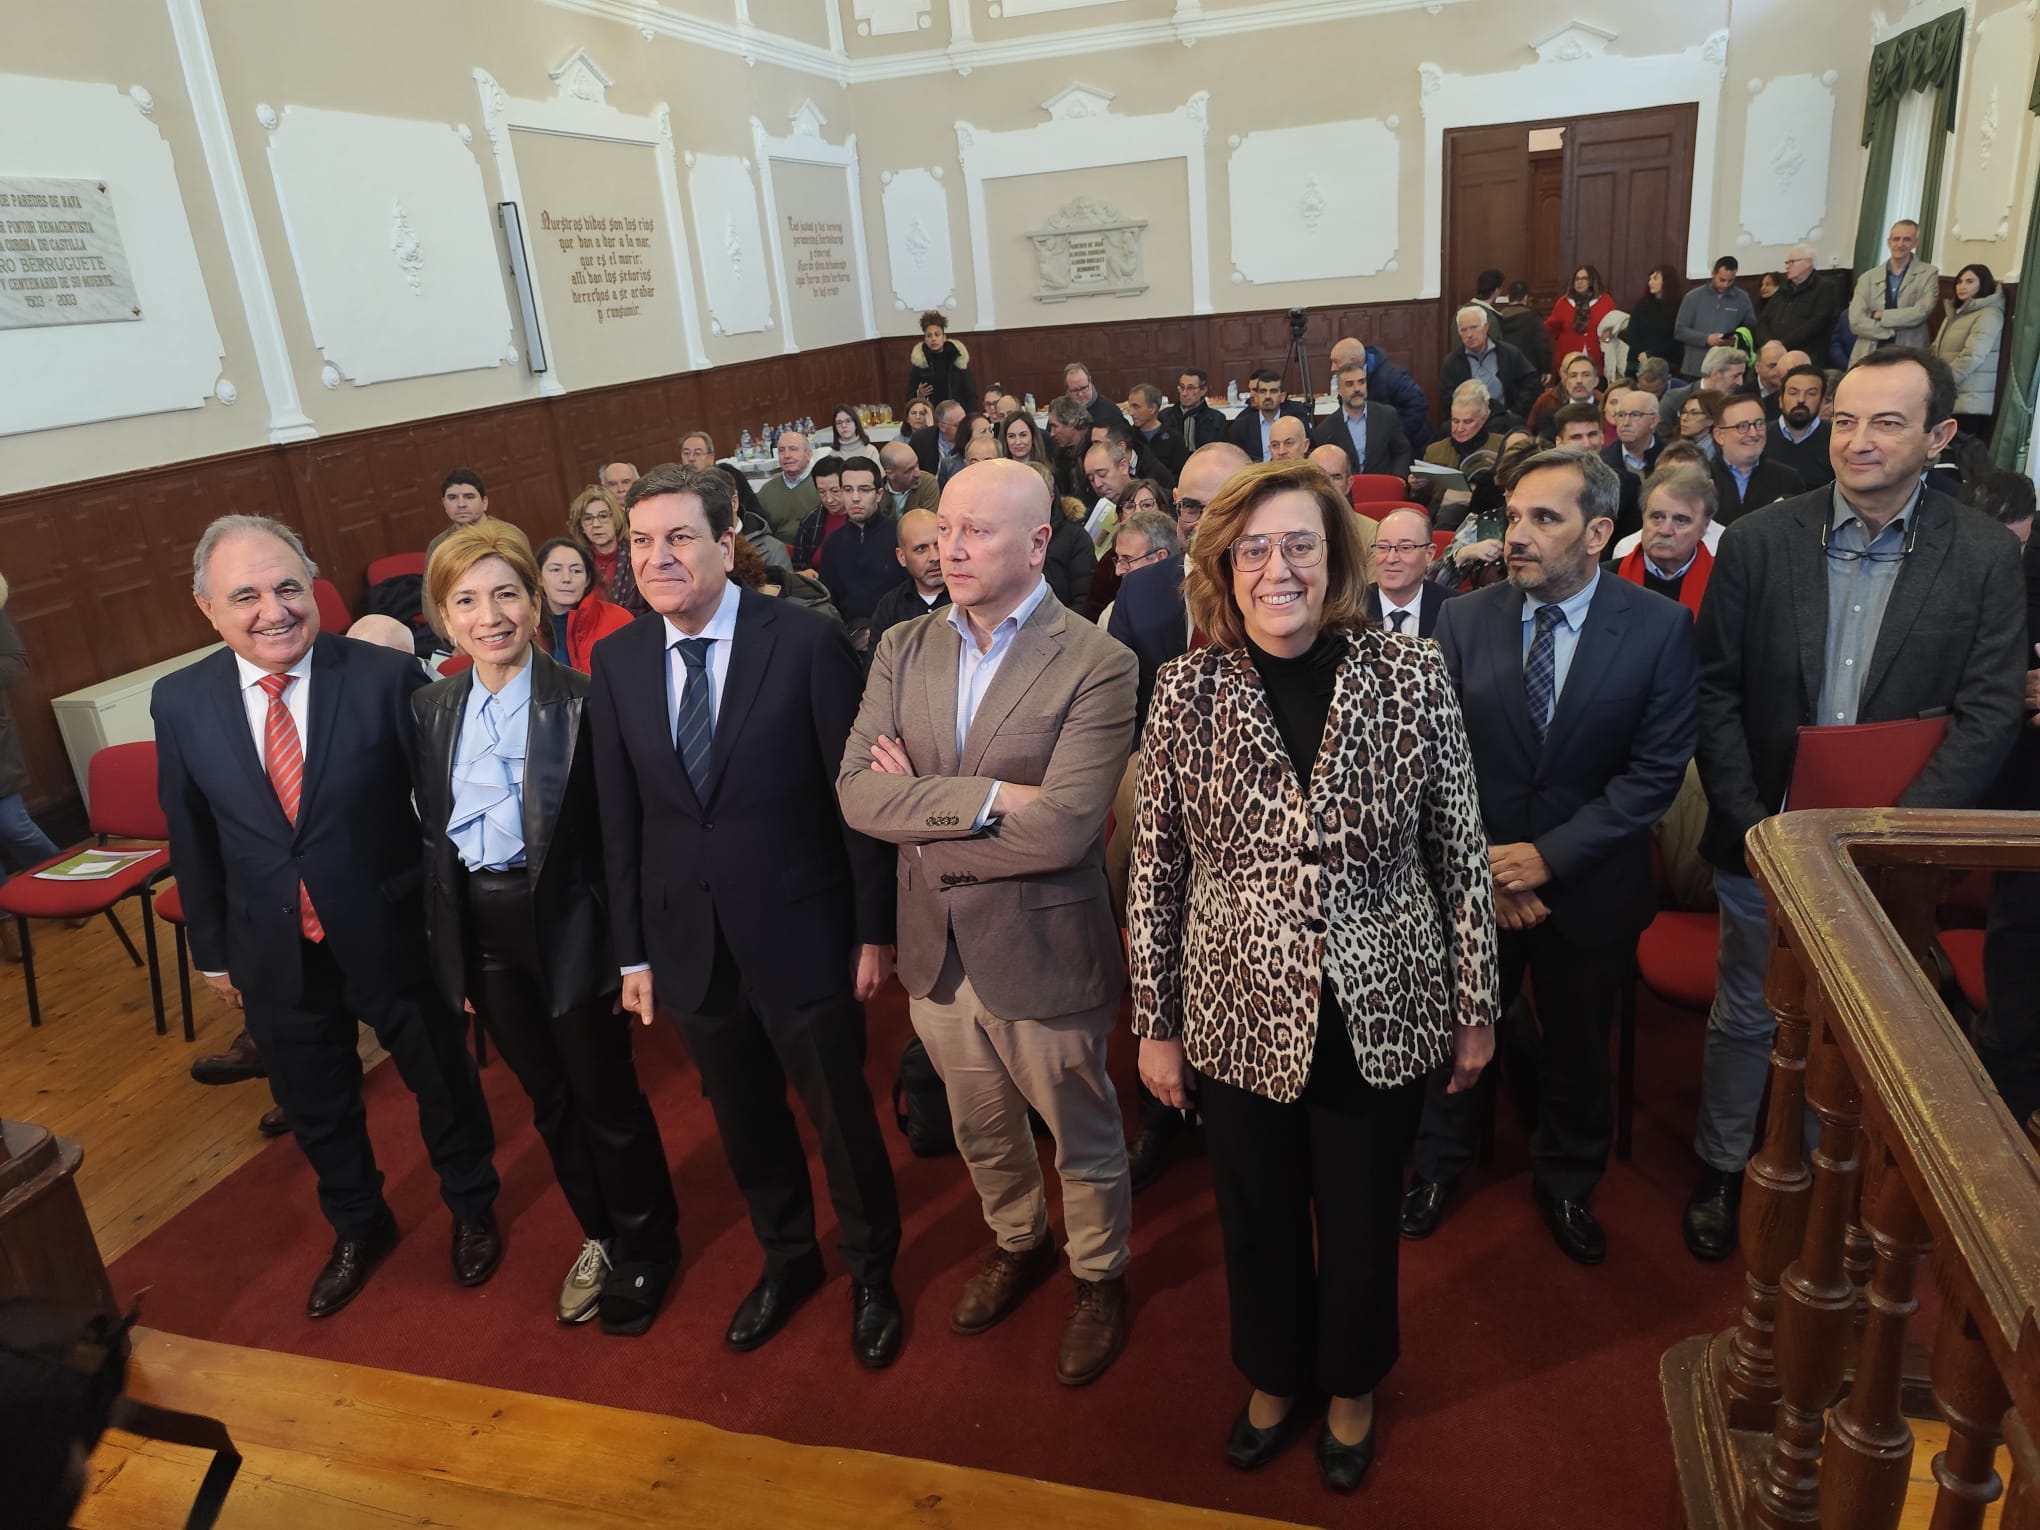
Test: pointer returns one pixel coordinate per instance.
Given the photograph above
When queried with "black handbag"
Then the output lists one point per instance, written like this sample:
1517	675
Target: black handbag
921	1104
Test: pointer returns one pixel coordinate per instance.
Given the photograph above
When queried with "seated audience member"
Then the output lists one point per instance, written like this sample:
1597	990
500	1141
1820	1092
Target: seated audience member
1579	382
1072	559
790	496
1108	468
1802	311
1671	557
940	446
845	436
1633	453
975	426
938	368
1193	418
1507	374
993	403
523	944
464	500
575	617
1654	376
1021	440
752	525
595	520
1401	598
1578	427
981	449
1309	1070
1722	375
1288	439
917	417
1388	384
1698	413
1144	414
1709	316
1743	480
1470	428
1799	437
1069	438
750	570
2005	497
859	560
1221	459
384	632
697	450
919	552
1474	558
1771	370
616	479
907	487
1268	403
1142	460
1339	468
1371	433
1518	323
1144	538
826	518
1078	385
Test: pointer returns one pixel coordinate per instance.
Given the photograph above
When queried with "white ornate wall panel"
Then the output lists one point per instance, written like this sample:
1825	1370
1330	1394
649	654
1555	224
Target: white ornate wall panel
391	233
917	244
1315	203
1997	82
804	145
1084	133
733	268
884	18
999	8
1786	144
170	358
1571	67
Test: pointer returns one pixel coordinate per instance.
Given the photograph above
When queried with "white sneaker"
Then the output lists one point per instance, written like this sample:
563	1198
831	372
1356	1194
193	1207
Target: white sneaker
582	1292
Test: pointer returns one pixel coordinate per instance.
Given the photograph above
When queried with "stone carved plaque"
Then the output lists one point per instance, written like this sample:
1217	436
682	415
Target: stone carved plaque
61	259
1089	250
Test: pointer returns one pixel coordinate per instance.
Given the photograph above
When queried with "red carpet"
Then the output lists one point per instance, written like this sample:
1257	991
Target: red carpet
1527	1394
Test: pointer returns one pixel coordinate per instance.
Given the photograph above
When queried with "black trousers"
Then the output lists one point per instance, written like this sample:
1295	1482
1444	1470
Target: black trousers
1574	988
747	1053
2008	1031
577	1070
315	1075
1312	1311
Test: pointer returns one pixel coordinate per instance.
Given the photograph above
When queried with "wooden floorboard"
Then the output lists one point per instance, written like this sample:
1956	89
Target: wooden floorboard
342	1447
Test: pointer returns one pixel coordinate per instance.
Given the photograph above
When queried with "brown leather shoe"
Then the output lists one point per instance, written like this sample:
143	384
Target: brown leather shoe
273	1122
1000	1285
1096	1332
241	1060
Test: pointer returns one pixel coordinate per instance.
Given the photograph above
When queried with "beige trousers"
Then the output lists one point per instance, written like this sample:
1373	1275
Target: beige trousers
994	1069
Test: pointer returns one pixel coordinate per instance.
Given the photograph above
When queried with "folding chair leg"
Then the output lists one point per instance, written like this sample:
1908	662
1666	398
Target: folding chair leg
155	964
1625	1072
28	972
133	955
184	981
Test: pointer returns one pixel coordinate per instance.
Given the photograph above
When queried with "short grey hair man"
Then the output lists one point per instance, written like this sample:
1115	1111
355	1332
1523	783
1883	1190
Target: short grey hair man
230	526
1472	394
1159	528
1719	361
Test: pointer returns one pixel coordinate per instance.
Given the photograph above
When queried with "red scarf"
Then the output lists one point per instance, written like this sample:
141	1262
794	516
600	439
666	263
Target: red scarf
1690	592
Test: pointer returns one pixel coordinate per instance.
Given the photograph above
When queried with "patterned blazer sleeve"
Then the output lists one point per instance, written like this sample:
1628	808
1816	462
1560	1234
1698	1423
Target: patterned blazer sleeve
1158	884
1454	847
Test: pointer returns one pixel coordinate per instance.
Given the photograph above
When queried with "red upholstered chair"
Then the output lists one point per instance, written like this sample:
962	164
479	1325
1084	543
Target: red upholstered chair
396	564
1381	509
122	778
1675	958
334	617
1964	952
1440	540
453	664
1371	488
170	908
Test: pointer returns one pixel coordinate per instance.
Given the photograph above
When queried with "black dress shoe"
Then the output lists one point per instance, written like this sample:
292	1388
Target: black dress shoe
273	1123
1711	1214
1342	1466
631	1296
348	1268
1573	1227
876	1324
1149	1152
1423	1207
1249	1446
477	1249
771	1302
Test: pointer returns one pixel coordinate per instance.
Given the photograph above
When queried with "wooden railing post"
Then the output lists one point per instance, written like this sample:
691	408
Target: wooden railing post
1870	1444
1971	1396
1775	1189
1816	1301
2022	1497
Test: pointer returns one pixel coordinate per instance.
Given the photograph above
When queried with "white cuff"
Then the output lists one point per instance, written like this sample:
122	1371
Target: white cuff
639	967
985	813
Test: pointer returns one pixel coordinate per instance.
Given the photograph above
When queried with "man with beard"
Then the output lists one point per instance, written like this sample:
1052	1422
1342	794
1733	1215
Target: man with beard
923	589
1580	698
1799	437
1193	417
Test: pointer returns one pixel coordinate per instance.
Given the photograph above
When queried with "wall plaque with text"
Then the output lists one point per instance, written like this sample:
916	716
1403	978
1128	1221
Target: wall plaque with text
61	259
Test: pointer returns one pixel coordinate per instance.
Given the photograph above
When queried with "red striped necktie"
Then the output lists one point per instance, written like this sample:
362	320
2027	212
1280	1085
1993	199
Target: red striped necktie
284	757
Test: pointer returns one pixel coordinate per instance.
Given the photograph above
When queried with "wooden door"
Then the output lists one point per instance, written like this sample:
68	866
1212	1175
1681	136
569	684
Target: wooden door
1543	269
1487	207
1628	194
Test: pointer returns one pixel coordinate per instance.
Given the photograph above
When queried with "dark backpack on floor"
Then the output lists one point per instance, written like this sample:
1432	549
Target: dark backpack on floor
921	1105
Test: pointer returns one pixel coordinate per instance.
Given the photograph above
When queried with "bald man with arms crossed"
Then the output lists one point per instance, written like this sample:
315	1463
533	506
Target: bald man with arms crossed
987	749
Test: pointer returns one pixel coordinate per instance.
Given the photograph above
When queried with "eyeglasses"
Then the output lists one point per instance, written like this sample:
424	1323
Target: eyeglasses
1864	555
1184	502
1126	565
1742	427
1300	549
1636	414
1400	549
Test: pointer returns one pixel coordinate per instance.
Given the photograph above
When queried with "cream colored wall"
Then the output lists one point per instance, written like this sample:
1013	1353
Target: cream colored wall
1157	191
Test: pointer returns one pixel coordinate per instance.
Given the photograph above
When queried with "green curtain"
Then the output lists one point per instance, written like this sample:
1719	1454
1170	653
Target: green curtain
1928	56
2022	376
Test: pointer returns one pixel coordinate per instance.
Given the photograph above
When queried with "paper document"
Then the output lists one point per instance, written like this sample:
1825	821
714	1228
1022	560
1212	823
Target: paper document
93	865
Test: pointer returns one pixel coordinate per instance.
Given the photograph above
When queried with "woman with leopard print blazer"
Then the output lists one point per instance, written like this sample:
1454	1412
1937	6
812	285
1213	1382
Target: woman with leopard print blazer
1312	927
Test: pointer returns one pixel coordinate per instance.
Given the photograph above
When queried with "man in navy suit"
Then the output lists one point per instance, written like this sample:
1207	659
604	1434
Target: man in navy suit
1371	434
739	902
1580	695
284	768
1267	403
1401	598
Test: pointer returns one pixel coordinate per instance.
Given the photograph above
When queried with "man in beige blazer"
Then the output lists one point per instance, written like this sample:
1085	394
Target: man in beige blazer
1894	300
988	748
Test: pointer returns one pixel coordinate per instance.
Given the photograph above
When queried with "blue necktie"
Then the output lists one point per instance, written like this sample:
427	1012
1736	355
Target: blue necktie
694	730
1398	617
1540	668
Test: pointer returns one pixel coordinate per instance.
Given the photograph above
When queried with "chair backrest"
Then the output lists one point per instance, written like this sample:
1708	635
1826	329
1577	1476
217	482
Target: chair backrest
1440	540
334	617
396	564
1382	509
453	664
123	789
1368	487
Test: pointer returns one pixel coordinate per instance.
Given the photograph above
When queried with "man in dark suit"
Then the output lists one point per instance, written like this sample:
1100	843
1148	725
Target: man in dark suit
1401	598
738	901
1799	438
284	769
1159	443
1579	695
1743	479
1371	433
1249	431
1632	454
936	446
1193	417
1876	600
1507	374
1077	383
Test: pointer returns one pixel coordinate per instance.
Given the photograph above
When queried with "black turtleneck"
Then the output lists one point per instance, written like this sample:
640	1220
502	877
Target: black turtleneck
1300	695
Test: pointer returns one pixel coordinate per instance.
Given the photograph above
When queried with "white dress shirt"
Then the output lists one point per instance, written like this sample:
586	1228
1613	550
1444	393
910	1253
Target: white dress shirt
976	670
721	631
255	702
1415	609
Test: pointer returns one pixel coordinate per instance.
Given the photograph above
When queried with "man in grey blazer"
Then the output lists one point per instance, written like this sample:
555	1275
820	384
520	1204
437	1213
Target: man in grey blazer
1874	599
988	749
1894	300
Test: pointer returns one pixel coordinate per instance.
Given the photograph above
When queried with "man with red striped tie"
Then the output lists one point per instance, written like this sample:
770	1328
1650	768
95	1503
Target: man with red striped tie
283	764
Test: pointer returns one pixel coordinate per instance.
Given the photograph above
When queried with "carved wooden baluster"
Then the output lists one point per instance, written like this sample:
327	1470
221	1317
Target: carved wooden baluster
1971	1397
1856	1253
1775	1189
2022	1496
1869	1442
1816	1301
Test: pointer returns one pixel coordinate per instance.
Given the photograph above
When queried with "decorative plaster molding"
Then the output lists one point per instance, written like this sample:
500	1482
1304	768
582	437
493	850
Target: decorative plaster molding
1295	221
1083	134
329	375
1089	249
918	250
577	116
1010	8
265	116
1575	41
806	146
225	391
726	219
1787	145
887	18
145	103
580	78
1992	129
410	255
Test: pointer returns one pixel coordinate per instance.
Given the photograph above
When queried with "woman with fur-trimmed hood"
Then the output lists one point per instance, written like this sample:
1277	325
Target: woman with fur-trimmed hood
940	366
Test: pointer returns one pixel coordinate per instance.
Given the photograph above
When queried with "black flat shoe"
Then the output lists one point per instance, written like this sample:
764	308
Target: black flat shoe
477	1249
1573	1228
348	1267
770	1303
1423	1207
631	1297
1249	1446
876	1324
1342	1466
1711	1215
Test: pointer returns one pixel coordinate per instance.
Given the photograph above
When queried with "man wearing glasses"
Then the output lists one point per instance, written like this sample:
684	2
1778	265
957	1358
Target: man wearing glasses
1742	479
1633	453
1875	600
1401	598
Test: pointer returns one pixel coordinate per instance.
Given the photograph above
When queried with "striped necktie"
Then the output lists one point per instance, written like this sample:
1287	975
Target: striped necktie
694	727
283	756
1540	669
